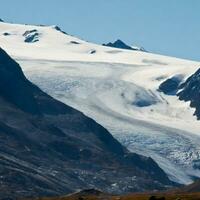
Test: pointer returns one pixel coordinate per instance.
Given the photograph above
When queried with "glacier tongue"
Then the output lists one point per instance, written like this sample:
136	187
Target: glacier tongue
95	89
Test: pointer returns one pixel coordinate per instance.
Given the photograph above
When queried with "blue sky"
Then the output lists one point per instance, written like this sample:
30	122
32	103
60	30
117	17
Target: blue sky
170	27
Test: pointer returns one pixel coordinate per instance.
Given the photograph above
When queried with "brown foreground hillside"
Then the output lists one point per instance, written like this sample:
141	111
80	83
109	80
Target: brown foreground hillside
97	195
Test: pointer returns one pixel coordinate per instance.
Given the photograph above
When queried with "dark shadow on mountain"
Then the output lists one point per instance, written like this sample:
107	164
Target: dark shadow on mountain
190	91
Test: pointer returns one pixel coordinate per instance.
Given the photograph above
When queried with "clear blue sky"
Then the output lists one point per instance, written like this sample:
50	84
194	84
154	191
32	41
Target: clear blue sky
170	27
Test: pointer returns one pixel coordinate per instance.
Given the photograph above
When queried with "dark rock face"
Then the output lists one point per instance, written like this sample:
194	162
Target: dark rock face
118	44
60	30
121	45
48	148
1	20
190	91
16	89
171	85
6	34
31	36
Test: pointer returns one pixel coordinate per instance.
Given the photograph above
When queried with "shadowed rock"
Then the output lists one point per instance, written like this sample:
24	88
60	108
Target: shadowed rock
121	45
190	91
31	36
171	85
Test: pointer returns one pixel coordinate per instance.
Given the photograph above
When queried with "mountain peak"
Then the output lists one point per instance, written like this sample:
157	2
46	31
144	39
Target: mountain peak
122	45
118	44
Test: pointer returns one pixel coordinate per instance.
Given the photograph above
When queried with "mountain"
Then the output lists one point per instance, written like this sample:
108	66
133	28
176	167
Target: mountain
121	45
119	89
48	148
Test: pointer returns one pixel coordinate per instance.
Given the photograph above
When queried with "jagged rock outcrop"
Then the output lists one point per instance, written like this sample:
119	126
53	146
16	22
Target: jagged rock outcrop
171	85
121	45
190	91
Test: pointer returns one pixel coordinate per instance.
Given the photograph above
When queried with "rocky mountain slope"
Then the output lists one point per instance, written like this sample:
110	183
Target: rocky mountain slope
49	148
190	91
187	90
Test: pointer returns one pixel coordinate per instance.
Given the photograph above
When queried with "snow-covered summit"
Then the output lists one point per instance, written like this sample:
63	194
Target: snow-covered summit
54	44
